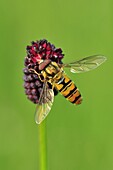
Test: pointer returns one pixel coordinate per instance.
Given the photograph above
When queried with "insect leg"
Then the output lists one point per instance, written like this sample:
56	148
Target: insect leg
35	72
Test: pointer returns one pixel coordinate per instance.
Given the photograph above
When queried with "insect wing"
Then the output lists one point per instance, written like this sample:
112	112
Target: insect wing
86	64
45	103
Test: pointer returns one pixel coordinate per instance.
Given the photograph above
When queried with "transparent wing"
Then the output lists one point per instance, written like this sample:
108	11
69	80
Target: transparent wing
45	103
86	64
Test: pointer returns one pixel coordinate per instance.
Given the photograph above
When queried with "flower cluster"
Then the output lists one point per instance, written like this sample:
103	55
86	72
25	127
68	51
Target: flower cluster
37	51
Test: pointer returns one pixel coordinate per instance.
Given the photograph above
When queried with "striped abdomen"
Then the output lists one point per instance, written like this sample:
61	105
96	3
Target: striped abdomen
68	89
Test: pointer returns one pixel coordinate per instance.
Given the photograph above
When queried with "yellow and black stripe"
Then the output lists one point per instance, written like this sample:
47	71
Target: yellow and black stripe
68	89
51	69
63	83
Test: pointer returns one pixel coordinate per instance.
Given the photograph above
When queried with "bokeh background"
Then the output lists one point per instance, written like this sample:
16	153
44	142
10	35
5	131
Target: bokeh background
78	138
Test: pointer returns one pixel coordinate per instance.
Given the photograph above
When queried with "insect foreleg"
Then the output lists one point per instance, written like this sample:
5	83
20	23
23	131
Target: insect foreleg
39	74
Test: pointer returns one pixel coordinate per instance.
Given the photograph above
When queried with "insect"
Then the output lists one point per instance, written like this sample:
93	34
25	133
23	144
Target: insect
54	74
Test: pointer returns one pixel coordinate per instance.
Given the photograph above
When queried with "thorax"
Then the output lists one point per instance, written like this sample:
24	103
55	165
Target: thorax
51	70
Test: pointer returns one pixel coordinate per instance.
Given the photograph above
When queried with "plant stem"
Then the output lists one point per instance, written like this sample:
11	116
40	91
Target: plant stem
42	145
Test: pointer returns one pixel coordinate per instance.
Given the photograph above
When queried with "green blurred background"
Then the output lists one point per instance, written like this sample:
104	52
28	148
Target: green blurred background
78	138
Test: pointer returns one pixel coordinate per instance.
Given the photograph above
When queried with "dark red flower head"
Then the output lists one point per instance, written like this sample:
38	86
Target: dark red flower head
36	52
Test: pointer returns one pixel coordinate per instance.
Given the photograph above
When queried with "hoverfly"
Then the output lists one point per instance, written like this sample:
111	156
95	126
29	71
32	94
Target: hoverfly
54	74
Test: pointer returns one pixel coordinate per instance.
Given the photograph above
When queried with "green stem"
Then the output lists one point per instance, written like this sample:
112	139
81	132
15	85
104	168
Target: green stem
42	145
